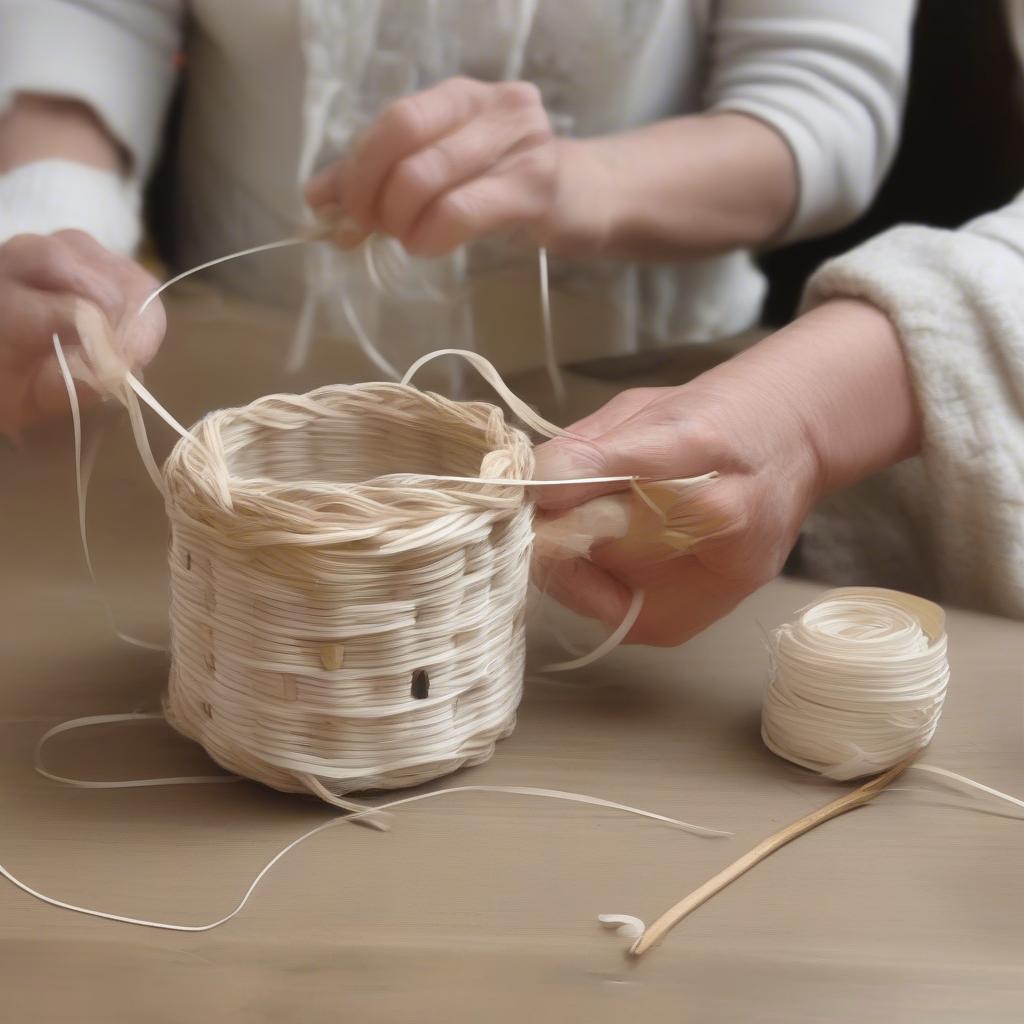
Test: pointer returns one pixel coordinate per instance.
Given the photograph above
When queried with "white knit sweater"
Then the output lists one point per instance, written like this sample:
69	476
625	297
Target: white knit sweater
276	88
948	524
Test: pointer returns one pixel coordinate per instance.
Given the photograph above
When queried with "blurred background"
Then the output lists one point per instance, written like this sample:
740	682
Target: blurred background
962	152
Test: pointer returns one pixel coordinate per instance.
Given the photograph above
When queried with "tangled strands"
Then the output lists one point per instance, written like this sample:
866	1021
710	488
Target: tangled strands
336	624
392	271
858	682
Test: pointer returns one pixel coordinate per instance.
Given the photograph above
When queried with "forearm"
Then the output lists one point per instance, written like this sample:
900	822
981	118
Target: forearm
60	169
686	187
838	378
47	128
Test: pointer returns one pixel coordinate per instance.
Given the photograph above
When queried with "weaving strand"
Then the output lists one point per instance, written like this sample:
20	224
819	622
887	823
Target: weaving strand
284	544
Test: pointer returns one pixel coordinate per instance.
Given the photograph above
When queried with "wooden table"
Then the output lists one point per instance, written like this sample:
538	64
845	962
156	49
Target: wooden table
475	908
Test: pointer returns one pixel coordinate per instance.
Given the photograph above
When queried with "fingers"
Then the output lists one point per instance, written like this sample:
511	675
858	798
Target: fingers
121	287
47	286
48	271
682	598
323	190
474	150
30	319
517	197
69	262
665	437
632	449
566	459
585	588
46	396
445	165
406	126
31	385
139	335
569	459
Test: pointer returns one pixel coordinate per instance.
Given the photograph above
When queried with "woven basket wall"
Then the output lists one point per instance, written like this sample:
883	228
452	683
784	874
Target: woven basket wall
331	619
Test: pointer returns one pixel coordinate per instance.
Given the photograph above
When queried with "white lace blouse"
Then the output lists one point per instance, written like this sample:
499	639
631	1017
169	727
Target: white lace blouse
276	88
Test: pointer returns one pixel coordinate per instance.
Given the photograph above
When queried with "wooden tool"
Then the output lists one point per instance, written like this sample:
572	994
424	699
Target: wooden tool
860	796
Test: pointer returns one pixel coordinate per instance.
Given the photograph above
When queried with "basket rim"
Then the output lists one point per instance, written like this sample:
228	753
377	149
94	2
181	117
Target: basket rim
199	472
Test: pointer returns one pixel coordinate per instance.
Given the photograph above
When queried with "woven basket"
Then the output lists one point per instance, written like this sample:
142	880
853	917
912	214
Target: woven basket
337	624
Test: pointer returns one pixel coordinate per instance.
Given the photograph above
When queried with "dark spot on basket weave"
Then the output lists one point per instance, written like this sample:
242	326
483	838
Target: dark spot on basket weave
420	684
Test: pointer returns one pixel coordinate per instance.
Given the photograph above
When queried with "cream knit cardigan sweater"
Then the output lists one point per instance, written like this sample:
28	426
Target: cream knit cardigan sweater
948	524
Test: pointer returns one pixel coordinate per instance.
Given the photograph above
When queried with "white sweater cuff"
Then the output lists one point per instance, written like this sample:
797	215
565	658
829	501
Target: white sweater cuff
53	195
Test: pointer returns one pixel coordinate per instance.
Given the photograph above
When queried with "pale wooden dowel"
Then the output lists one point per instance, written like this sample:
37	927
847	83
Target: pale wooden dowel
860	796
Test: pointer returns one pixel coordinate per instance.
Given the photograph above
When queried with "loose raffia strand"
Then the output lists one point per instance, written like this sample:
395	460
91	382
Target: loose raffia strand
282	243
550	356
553	794
92	720
83	471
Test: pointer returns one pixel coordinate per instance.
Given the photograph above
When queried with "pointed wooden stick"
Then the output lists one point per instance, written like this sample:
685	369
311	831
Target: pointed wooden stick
860	796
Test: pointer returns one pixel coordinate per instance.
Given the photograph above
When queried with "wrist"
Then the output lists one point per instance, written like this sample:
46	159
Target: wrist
584	200
840	368
38	127
680	188
879	424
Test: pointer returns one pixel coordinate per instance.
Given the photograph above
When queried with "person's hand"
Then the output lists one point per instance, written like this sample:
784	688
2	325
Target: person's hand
815	408
459	161
742	524
43	278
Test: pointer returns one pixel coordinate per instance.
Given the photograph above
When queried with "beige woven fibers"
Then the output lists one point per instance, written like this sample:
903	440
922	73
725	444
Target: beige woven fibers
338	622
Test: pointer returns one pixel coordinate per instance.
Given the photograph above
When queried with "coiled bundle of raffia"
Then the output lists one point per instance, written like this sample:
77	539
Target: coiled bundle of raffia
342	619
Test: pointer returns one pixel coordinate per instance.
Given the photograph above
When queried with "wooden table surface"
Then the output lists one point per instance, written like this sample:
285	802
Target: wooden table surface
475	907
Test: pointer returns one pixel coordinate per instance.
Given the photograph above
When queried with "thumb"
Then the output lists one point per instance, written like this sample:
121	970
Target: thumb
571	459
138	336
634	449
663	439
